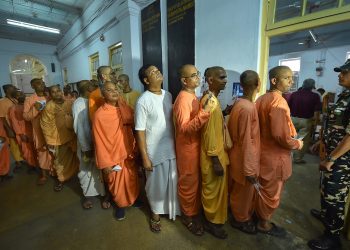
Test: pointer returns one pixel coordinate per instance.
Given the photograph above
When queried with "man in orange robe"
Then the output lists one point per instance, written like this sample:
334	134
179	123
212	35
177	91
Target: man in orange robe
189	119
104	74
243	126
116	148
277	142
57	125
4	153
32	111
23	130
5	104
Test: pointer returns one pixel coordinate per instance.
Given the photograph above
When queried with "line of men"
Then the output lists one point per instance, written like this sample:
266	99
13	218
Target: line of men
192	160
184	148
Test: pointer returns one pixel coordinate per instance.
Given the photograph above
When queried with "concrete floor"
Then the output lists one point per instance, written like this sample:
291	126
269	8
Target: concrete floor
36	217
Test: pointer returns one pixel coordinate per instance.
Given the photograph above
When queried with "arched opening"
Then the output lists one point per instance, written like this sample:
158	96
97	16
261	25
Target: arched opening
23	68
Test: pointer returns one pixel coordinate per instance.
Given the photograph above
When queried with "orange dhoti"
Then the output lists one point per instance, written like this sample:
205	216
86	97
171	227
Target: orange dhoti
4	159
242	201
115	145
189	119
188	188
243	126
4	152
43	157
277	142
124	195
269	198
22	129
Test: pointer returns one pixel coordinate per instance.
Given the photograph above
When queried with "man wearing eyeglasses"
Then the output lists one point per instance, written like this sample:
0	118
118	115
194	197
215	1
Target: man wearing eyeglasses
214	158
336	167
189	118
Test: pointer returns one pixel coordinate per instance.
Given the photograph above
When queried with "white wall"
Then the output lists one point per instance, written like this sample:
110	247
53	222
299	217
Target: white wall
118	21
9	49
333	57
227	35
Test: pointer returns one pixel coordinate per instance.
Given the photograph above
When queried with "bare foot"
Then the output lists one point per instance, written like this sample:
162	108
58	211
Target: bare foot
87	203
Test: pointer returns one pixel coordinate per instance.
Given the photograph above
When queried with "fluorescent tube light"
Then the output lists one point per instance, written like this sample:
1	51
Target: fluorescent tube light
32	26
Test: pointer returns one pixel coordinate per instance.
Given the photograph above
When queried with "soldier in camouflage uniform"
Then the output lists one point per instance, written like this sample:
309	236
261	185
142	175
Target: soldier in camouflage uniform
336	167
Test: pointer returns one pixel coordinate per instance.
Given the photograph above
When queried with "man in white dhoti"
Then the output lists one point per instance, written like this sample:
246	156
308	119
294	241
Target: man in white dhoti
89	176
155	134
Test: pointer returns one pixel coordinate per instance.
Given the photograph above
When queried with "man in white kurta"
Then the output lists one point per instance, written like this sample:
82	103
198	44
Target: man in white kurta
89	176
153	117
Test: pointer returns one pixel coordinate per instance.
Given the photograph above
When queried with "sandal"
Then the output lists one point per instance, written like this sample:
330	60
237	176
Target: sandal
193	227
274	231
58	187
215	230
87	203
155	226
246	227
105	203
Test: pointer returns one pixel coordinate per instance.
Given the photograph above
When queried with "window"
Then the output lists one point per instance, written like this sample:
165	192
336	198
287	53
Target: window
94	64
116	58
294	65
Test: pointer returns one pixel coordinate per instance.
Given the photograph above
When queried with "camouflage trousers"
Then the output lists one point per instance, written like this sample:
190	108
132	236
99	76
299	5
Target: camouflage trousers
335	186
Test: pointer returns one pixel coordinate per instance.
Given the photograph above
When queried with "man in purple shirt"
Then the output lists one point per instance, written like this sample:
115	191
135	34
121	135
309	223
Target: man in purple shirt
305	107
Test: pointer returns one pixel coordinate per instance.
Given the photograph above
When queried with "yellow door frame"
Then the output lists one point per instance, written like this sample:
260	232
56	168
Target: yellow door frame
269	28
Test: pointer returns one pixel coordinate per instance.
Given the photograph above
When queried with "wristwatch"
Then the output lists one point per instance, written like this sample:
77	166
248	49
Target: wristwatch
330	159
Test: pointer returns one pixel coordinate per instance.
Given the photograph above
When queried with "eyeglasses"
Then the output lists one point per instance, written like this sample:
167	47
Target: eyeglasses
194	75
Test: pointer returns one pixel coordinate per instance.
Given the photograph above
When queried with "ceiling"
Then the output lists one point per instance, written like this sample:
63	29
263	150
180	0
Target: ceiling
326	36
59	14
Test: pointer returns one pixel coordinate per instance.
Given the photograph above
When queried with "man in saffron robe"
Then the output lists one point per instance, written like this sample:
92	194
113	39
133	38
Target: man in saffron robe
23	130
129	95
4	153
5	104
90	177
189	118
214	159
32	111
68	94
57	125
116	148
155	136
277	142
243	126
104	74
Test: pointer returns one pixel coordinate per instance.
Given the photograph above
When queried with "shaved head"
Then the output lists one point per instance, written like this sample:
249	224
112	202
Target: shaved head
277	71
184	69
83	86
212	71
249	79
124	77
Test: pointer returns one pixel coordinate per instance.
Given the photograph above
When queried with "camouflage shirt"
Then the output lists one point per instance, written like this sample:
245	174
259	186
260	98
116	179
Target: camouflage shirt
338	119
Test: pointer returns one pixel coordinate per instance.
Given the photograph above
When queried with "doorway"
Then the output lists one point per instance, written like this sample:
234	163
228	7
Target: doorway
24	68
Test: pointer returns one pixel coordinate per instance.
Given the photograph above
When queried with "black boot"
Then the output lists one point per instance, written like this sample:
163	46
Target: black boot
318	215
325	243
